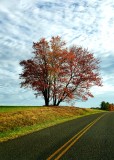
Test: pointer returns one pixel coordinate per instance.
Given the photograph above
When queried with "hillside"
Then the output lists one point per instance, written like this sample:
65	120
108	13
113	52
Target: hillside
18	121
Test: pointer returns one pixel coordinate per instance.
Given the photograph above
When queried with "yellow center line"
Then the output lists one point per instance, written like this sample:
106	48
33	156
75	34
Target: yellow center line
75	138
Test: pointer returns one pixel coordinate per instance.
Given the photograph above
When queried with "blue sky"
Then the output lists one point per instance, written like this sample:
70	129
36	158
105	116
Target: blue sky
87	23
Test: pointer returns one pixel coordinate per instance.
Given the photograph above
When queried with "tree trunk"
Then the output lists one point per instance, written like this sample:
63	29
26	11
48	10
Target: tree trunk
46	101
54	103
58	102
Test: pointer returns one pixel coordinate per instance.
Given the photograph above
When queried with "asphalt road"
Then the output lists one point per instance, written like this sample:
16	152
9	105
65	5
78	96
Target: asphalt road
96	142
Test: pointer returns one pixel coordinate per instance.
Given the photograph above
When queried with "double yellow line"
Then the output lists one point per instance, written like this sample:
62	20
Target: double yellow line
63	149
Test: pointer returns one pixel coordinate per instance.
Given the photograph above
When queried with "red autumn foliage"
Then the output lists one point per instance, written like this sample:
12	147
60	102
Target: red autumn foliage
111	107
60	74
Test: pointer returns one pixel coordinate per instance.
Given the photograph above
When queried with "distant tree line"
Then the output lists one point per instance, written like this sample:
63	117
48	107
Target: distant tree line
107	106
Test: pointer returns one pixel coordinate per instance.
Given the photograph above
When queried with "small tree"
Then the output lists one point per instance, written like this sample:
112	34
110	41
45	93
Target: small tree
58	73
104	105
111	107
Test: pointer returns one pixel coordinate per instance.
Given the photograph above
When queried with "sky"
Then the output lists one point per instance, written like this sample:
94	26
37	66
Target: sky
86	23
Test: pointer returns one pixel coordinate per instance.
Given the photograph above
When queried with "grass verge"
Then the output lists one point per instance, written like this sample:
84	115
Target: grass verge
18	121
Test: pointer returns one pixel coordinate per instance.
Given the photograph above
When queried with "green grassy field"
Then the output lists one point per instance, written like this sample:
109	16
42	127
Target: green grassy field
16	108
16	121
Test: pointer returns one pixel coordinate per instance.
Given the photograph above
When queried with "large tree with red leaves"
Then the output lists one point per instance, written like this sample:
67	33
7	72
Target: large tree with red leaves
58	73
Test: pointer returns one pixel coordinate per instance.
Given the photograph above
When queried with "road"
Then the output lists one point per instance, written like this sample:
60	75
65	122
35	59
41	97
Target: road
87	138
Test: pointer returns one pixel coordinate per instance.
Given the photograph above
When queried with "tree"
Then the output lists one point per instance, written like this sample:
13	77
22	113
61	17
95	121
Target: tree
58	73
111	107
105	105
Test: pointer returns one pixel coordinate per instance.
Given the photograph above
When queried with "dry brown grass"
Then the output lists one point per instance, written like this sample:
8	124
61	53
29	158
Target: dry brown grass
12	120
21	122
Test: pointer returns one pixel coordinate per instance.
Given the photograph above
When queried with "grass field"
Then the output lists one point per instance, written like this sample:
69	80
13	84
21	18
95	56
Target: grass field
16	108
16	121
